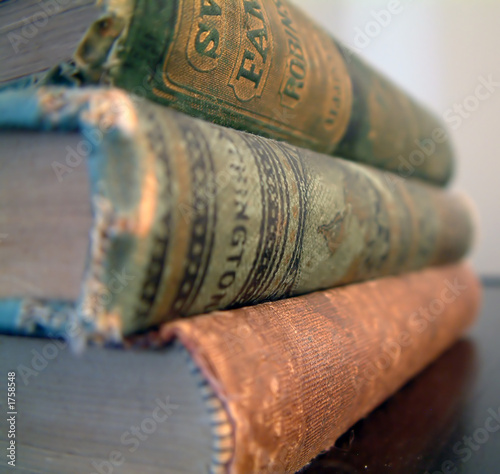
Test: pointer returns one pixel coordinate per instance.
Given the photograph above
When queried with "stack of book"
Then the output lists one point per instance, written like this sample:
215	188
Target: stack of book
238	225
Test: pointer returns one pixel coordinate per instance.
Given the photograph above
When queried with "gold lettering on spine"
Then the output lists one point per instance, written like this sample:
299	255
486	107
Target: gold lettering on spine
252	66
296	70
235	246
207	30
271	70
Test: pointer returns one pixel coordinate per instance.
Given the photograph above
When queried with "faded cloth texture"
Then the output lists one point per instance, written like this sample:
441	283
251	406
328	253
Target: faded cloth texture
296	374
262	66
198	217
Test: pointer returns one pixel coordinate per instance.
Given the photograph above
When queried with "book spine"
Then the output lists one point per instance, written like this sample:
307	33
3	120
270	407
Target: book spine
296	374
191	217
263	66
37	317
423	411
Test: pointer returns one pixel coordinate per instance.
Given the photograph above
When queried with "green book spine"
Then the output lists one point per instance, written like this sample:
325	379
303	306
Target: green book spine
264	67
192	217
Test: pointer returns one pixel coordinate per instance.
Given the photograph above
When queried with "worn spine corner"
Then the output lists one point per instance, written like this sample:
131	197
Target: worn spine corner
97	57
92	309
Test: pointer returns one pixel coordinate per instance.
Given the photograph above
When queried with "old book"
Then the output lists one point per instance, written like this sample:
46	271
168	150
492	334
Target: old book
259	389
401	435
186	217
256	65
35	34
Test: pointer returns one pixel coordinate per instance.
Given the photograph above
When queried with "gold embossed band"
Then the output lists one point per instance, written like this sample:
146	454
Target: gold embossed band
263	61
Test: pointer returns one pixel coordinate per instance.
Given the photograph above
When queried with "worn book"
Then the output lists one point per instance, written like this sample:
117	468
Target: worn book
261	389
187	217
256	65
401	434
